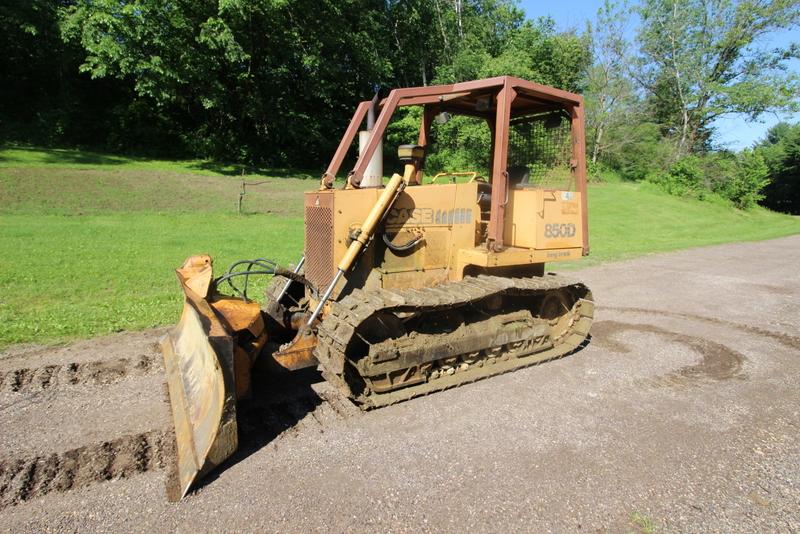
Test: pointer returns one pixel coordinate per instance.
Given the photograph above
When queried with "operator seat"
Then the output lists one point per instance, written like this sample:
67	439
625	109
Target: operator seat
519	176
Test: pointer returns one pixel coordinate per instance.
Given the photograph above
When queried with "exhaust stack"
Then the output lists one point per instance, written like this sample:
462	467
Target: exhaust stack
373	175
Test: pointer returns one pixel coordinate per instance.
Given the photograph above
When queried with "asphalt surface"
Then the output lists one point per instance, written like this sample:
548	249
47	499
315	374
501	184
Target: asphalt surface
681	414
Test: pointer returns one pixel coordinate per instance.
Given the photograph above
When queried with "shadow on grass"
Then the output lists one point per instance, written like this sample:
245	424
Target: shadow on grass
235	169
65	156
14	154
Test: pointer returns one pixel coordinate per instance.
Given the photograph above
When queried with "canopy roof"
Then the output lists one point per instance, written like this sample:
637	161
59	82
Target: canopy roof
477	98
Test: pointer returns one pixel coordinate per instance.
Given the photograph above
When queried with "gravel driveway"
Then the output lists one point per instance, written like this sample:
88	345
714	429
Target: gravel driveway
681	414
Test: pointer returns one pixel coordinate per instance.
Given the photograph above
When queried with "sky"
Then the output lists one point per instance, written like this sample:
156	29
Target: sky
732	132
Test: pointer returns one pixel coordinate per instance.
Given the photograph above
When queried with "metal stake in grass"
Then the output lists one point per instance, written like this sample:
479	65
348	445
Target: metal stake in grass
243	192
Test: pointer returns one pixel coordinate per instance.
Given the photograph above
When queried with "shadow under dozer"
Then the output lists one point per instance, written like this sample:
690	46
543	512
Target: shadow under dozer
280	405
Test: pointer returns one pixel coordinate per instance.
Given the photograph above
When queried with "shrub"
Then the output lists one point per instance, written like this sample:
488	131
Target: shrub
637	151
599	173
685	177
738	179
749	178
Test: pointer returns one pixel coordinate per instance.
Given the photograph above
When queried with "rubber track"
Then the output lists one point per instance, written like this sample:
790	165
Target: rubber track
340	325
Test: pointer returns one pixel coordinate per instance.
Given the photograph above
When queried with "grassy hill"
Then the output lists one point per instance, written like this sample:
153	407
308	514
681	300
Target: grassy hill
88	242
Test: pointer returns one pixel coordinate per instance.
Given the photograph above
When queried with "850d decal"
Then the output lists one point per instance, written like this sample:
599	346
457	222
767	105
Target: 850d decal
559	230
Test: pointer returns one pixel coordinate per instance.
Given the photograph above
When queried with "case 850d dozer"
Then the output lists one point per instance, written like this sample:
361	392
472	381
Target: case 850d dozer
404	288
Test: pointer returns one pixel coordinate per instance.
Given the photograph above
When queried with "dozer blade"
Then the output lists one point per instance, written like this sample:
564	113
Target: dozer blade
199	362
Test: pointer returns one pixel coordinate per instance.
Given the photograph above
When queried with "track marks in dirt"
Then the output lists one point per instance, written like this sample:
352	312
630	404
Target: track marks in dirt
718	361
788	340
23	479
95	373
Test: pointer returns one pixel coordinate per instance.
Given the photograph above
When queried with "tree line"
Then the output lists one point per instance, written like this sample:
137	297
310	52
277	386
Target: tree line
275	81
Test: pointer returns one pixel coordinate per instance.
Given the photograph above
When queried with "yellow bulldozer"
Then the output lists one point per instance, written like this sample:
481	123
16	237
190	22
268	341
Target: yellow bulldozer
408	286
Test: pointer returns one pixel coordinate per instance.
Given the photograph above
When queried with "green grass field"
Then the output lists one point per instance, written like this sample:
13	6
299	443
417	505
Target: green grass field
88	242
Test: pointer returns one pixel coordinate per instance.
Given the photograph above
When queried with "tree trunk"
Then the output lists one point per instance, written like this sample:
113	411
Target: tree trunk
441	26
458	4
598	137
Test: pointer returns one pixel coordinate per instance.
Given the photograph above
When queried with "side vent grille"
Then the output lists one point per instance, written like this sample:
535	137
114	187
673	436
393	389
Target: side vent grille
319	265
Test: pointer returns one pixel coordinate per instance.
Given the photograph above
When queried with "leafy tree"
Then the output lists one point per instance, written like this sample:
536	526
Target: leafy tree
498	40
27	30
246	78
611	100
781	152
422	33
269	81
481	33
485	38
43	97
703	59
538	53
